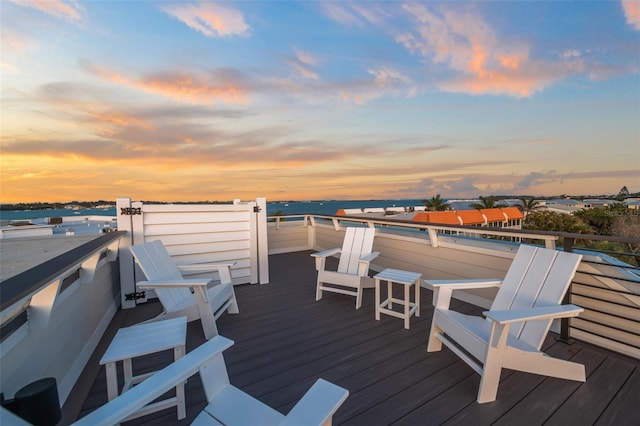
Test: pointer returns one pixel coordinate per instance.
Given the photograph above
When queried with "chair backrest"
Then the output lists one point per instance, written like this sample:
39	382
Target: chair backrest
537	277
358	242
156	264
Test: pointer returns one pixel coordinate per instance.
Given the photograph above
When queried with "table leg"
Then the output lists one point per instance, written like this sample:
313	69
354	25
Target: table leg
407	303
112	380
417	284
389	294
377	282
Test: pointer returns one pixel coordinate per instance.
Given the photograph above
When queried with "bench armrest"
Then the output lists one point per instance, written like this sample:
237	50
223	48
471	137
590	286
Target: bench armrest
317	406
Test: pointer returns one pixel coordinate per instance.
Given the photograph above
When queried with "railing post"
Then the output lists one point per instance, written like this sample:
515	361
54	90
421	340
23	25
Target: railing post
565	324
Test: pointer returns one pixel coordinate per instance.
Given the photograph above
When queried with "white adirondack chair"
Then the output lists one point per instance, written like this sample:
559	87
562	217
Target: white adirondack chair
353	266
207	302
227	405
527	302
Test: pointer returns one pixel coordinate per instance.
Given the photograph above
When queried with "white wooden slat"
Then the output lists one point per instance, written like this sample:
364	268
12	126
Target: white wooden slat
514	277
178	208
194	217
180	248
552	293
211	227
533	281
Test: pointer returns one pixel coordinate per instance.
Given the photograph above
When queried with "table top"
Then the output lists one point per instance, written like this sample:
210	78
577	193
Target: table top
147	338
398	276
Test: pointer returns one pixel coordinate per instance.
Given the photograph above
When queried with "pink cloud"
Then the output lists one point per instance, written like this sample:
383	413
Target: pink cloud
181	86
632	12
484	64
211	19
69	10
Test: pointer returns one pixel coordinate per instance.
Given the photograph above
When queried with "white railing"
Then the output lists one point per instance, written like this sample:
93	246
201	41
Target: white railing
54	315
607	288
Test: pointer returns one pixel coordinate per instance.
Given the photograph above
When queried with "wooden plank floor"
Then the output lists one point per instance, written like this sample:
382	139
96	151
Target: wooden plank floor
285	340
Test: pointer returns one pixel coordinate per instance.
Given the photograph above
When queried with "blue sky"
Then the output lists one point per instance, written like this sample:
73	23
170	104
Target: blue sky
200	100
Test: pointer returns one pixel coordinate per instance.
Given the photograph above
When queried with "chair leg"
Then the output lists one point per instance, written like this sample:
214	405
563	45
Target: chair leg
490	379
434	344
318	290
359	297
233	307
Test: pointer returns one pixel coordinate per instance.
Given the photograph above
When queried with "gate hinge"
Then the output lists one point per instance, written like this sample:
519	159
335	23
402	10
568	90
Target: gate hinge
257	209
135	295
130	211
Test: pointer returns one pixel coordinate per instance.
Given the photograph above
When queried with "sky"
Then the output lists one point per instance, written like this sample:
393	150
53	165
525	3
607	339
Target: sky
310	100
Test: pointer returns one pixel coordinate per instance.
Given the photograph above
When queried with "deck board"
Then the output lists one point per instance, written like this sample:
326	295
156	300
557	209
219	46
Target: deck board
284	340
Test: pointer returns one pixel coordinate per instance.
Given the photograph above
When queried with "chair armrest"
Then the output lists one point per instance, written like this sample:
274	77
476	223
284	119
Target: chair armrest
368	258
157	384
317	406
532	314
443	289
205	267
326	253
463	284
173	283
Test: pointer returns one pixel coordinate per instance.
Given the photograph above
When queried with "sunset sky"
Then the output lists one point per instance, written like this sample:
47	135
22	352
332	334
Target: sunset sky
200	100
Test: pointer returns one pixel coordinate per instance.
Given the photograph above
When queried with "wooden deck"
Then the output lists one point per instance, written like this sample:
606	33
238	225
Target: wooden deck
284	340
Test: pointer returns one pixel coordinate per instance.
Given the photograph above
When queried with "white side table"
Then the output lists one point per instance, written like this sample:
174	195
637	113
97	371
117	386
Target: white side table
407	279
144	339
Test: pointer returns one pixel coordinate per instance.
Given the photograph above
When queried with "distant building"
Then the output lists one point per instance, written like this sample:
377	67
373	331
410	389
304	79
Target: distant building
563	205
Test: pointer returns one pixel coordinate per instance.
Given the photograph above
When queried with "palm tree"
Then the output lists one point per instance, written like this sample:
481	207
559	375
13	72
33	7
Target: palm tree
487	203
435	204
529	205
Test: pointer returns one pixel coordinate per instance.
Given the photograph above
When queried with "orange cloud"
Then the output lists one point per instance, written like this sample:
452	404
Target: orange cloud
192	88
211	19
110	123
181	86
483	64
69	10
632	12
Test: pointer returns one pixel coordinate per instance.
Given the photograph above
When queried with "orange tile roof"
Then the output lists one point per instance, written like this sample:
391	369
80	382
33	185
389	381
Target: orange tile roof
494	215
421	217
513	212
442	218
471	217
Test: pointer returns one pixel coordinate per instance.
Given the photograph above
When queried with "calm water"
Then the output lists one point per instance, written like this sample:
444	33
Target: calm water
295	207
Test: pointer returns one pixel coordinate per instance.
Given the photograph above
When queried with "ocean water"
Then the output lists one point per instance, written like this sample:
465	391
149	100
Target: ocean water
329	207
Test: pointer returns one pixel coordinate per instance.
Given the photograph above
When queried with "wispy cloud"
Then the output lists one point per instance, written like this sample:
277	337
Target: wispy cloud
484	64
220	85
455	37
211	19
70	10
303	64
632	12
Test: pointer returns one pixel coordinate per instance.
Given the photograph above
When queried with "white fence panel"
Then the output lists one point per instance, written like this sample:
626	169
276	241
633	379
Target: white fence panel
197	233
